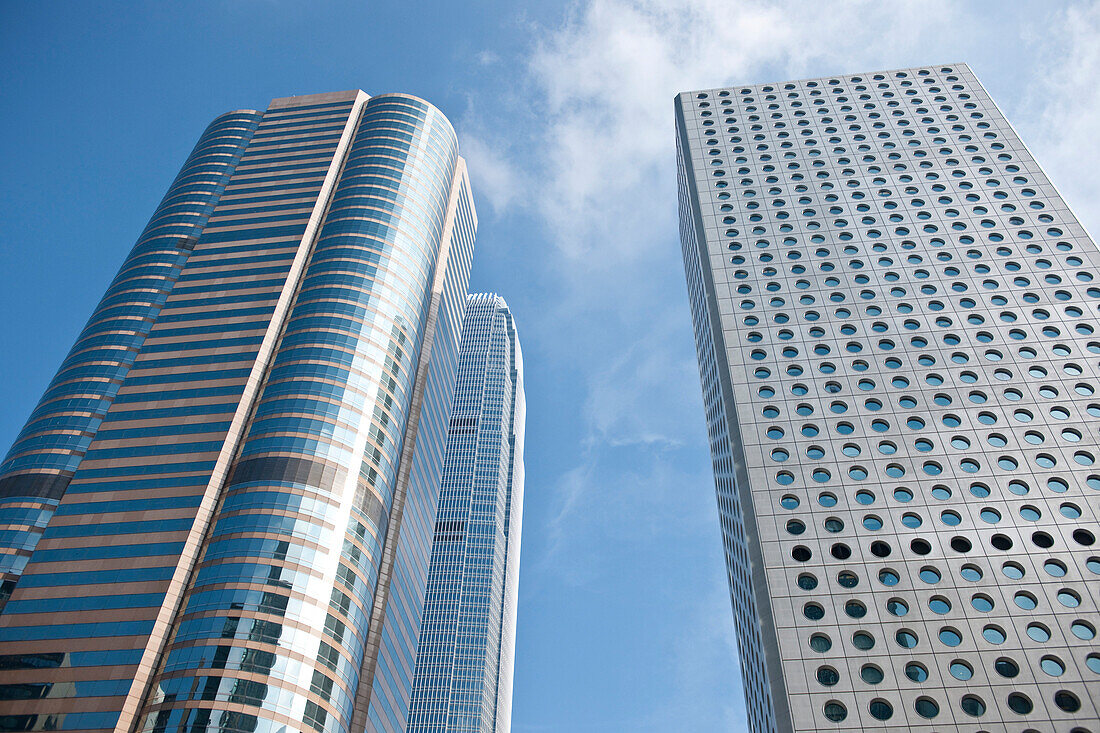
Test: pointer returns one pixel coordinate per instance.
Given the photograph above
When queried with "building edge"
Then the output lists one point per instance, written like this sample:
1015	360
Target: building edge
764	684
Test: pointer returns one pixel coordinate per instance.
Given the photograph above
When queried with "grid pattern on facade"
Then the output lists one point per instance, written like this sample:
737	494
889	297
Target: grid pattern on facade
463	664
907	313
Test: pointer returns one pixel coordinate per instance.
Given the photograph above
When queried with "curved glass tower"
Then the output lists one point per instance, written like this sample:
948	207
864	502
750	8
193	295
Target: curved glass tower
463	680
41	462
896	322
219	516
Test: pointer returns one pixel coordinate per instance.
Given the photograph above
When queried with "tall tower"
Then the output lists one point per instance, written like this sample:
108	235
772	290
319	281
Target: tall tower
219	515
896	322
463	680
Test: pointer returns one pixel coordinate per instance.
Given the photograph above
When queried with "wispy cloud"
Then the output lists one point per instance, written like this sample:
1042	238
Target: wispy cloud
487	58
602	85
498	180
630	401
591	151
583	148
1057	115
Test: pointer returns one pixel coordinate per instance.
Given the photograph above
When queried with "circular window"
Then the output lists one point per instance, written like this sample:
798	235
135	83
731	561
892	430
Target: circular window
1038	632
982	603
1067	701
906	639
871	674
1042	539
1055	568
950	637
1007	668
1083	537
971	572
1052	666
939	604
813	611
820	643
916	672
926	707
1025	601
960	544
880	549
827	676
920	547
1083	630
960	670
835	711
1019	703
880	709
863	640
973	705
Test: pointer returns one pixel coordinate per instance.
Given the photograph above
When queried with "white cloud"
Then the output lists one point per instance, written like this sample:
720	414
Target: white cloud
592	159
704	646
494	178
603	85
630	401
1059	113
487	58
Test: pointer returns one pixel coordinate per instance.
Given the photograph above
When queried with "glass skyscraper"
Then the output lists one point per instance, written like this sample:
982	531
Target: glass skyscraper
463	681
896	321
220	514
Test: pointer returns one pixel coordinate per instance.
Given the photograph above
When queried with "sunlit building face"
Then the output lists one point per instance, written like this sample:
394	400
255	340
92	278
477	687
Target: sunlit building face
896	321
219	515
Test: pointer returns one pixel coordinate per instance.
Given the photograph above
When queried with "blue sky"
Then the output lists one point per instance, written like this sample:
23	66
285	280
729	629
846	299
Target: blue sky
564	111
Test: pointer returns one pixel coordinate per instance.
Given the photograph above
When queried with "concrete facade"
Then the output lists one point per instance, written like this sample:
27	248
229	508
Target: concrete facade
896	321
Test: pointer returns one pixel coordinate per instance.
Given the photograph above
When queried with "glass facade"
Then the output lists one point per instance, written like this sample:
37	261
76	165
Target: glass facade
463	679
46	453
206	509
895	316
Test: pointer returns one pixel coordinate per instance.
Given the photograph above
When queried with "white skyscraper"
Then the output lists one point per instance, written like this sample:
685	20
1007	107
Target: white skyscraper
896	322
463	681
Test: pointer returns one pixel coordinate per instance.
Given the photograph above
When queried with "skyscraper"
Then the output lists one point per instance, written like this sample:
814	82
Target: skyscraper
463	681
896	322
220	513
